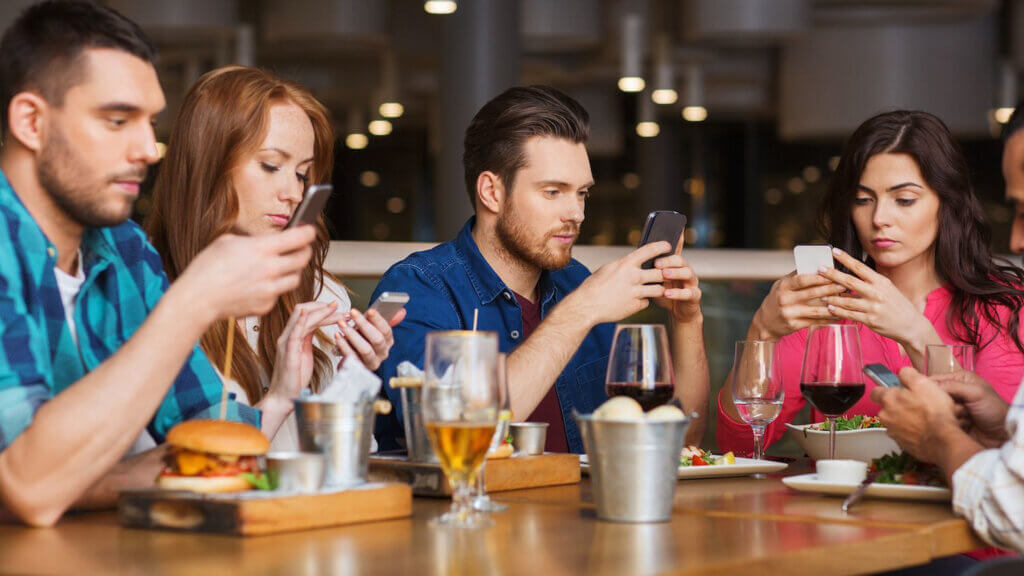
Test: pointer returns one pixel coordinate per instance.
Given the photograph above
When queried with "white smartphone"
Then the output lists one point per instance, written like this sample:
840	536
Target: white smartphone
387	305
810	257
312	204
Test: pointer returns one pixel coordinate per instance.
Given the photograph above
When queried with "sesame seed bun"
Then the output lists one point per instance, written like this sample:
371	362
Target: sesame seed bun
219	437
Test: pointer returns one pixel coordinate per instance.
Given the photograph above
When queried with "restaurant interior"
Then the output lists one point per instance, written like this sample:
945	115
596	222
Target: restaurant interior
731	112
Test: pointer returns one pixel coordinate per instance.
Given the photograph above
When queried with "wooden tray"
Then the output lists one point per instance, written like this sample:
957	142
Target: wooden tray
515	473
254	513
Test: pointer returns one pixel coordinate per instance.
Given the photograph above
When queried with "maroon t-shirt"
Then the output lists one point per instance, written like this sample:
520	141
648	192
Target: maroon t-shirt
549	410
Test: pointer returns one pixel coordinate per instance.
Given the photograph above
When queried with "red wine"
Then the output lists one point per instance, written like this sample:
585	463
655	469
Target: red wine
832	399
648	398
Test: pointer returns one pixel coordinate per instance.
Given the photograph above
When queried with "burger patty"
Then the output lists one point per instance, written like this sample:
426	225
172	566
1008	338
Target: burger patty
180	462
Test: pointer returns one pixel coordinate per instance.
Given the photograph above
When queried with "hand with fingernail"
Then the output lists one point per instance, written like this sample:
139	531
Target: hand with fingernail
682	292
793	304
877	303
367	337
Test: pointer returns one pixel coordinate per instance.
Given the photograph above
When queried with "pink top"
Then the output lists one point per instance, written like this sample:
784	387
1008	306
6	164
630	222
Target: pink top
1000	363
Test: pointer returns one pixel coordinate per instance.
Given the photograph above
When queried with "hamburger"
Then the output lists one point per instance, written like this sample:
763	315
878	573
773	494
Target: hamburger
212	456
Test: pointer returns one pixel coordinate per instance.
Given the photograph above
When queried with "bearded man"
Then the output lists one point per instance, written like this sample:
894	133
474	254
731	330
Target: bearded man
528	177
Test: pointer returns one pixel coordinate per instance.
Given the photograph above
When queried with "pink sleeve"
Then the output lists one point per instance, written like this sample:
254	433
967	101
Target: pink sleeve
1001	363
734	436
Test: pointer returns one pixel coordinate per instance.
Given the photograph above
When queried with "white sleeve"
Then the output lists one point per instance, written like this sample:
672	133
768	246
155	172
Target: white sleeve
988	489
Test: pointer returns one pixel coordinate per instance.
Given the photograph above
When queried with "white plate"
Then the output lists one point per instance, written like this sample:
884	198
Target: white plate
810	483
742	467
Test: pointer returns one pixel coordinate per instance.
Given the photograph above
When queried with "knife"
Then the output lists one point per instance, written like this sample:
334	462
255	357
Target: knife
859	492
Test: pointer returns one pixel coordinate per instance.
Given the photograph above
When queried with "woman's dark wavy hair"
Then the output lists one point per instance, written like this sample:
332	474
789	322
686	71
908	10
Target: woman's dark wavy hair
980	284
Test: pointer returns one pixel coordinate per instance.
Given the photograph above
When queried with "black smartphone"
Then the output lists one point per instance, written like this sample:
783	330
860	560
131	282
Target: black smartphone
313	203
882	375
661	225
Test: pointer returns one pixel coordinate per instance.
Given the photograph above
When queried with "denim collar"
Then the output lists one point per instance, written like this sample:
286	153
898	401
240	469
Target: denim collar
486	282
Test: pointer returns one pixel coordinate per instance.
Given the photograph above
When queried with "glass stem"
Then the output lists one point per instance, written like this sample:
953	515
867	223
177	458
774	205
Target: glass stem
758	441
460	501
481	490
831	437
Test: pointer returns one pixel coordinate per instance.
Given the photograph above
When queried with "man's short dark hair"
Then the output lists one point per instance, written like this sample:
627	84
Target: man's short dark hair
495	137
39	50
1015	123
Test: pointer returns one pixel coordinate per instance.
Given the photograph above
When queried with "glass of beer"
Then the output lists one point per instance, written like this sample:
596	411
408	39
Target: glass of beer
461	403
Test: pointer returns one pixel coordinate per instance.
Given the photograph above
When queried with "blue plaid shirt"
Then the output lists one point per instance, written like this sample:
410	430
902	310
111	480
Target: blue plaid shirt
124	279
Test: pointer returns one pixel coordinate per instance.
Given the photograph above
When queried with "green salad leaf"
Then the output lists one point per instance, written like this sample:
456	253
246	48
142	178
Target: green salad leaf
259	482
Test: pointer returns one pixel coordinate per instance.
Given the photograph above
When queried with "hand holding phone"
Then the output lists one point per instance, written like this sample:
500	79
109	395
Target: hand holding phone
809	258
387	305
661	225
312	204
882	376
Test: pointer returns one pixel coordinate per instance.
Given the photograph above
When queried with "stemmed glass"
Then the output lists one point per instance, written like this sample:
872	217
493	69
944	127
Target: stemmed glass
481	501
640	365
830	378
461	400
948	358
757	388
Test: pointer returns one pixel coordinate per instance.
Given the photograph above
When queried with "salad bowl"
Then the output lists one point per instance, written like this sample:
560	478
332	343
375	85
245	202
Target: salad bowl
862	444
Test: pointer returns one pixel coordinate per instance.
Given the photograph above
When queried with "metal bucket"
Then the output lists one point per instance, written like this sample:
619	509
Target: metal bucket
416	440
342	432
633	467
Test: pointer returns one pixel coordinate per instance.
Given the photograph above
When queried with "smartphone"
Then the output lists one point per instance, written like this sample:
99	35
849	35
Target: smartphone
313	203
882	375
661	225
387	305
809	258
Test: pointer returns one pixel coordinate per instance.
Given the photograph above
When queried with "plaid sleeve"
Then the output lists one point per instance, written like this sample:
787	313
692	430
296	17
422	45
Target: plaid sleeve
24	377
196	391
988	489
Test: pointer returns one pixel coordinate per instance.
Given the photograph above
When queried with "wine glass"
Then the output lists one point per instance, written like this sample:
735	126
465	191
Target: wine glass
757	388
948	358
481	501
640	365
460	411
830	378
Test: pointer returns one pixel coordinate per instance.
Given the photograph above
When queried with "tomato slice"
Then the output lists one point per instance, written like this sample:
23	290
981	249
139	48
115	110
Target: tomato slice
698	461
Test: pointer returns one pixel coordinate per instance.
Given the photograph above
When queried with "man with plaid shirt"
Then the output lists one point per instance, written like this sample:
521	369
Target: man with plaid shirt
97	348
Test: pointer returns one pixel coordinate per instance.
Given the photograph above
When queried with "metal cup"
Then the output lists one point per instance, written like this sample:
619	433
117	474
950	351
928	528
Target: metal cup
416	440
296	471
342	432
528	437
633	467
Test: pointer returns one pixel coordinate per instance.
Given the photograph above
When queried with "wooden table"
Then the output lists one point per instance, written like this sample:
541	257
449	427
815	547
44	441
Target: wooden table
728	526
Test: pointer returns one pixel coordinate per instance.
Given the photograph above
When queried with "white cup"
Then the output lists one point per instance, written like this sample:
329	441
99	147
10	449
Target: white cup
842	471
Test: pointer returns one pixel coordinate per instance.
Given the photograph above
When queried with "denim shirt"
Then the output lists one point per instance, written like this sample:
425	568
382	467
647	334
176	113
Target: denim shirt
445	285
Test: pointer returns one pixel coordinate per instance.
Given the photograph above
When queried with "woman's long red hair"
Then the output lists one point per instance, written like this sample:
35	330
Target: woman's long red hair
223	119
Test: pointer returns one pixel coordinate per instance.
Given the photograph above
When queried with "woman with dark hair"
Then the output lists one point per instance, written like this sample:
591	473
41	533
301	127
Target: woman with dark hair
244	148
912	243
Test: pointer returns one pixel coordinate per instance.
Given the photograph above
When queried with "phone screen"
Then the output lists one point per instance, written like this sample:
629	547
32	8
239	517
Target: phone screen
809	258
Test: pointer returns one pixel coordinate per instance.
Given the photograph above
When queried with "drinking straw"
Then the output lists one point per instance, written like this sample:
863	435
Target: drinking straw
227	370
476	311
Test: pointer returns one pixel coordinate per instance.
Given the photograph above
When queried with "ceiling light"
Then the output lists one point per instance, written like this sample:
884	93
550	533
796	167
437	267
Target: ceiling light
647	129
391	109
632	54
380	127
695	113
357	140
440	6
664	75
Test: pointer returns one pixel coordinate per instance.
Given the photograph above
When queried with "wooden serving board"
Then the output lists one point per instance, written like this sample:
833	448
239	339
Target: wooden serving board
255	513
515	473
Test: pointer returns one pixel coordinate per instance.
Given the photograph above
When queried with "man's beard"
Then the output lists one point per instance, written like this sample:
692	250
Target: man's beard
66	178
515	240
